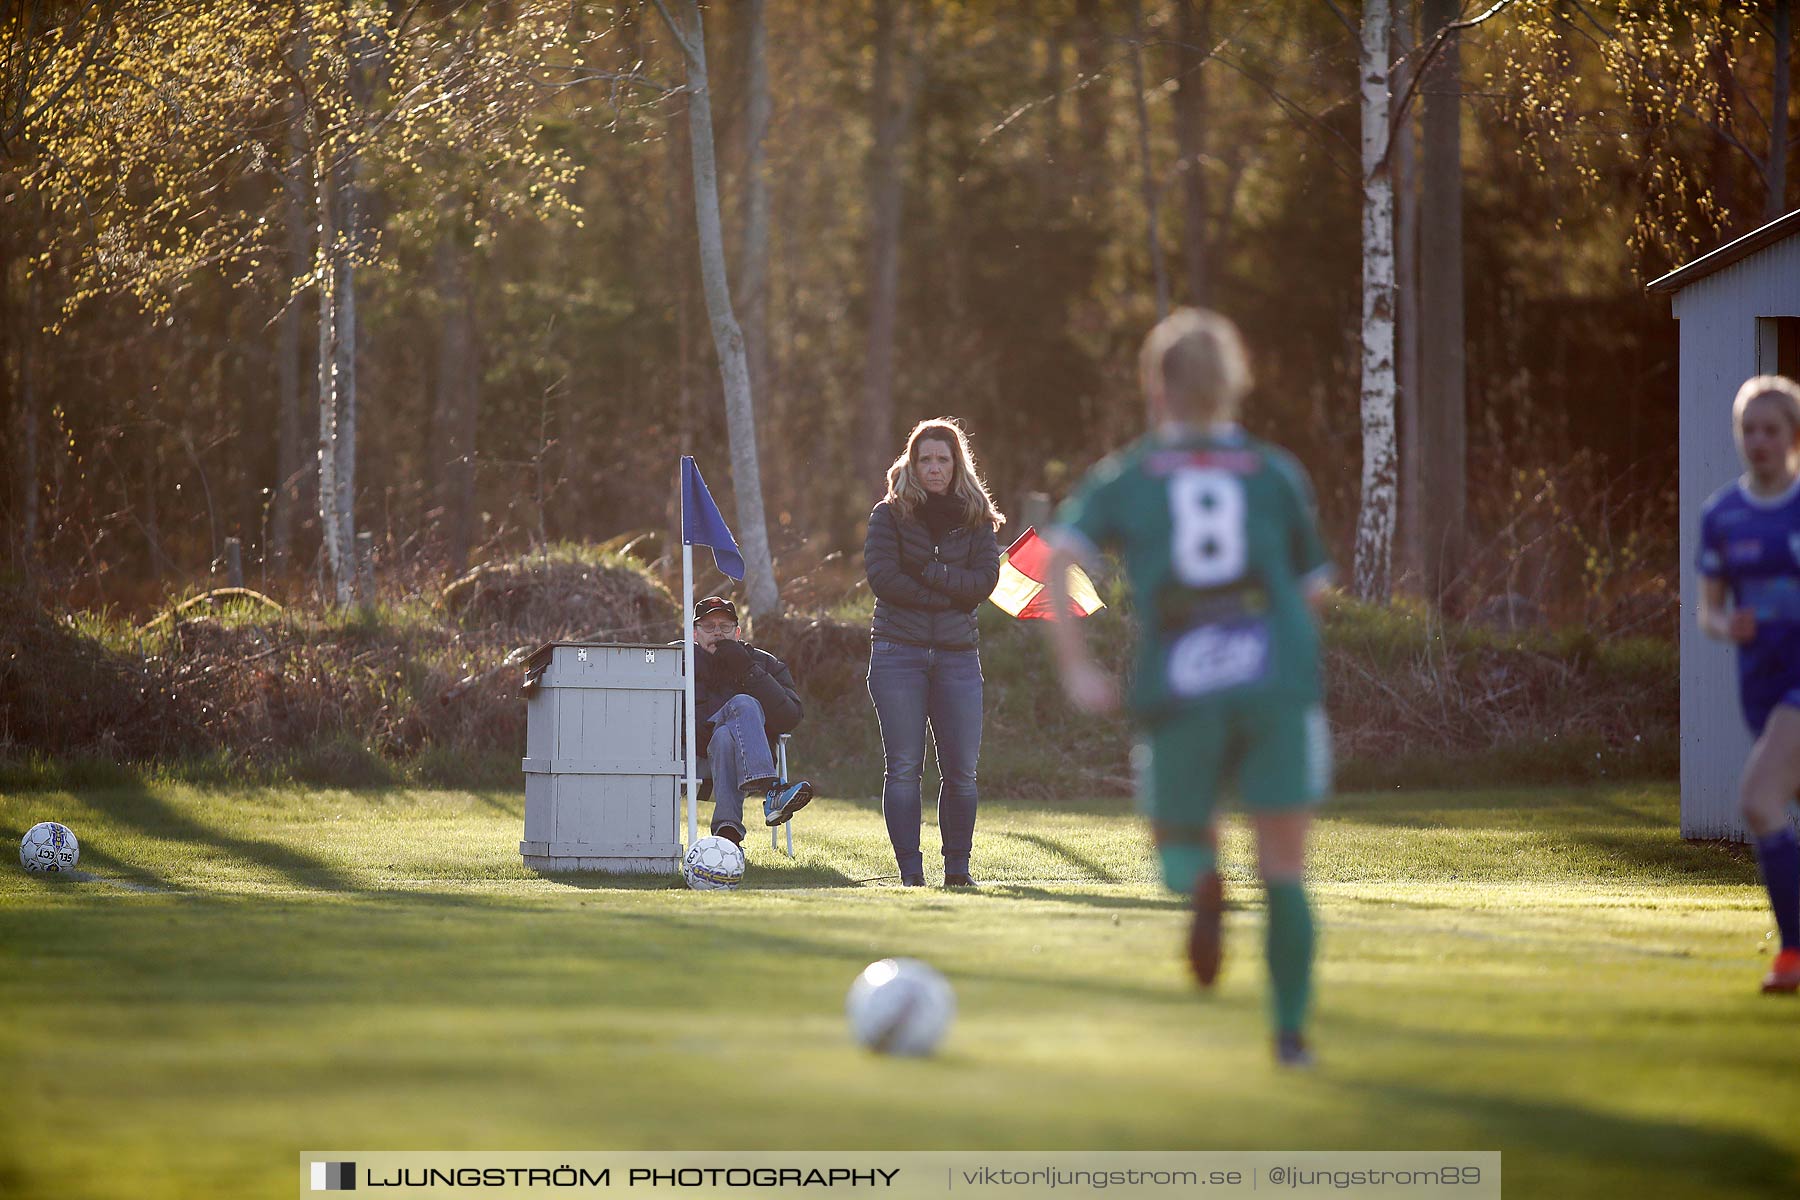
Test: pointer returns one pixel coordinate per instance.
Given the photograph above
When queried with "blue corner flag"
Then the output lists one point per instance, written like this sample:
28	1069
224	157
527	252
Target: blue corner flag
703	525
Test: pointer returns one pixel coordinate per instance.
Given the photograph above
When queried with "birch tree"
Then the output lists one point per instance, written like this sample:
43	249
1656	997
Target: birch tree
1375	516
728	336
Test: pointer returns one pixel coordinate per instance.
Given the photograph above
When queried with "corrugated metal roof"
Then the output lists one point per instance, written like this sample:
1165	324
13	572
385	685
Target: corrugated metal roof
1730	252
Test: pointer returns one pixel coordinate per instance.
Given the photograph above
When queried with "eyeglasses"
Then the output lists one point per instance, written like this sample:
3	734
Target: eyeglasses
716	628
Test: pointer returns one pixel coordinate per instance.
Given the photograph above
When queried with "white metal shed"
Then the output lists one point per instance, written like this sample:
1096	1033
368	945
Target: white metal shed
1739	309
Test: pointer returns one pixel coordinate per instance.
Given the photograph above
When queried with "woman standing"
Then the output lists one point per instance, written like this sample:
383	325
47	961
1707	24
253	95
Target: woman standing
931	559
1750	551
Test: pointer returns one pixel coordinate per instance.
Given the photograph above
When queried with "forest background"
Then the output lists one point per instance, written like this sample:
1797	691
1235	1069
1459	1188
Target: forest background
928	207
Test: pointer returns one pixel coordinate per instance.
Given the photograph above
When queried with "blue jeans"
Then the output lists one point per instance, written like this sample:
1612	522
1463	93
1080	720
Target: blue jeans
911	685
737	759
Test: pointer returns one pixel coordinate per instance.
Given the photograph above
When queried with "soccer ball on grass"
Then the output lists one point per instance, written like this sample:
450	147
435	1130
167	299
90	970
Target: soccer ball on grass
713	864
49	847
900	1006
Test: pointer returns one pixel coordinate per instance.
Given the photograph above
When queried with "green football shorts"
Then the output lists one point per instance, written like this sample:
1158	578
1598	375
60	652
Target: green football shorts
1276	752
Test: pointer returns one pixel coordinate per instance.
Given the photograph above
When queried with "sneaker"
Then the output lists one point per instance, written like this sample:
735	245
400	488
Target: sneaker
784	800
733	835
961	879
912	880
1291	1051
1204	949
1784	973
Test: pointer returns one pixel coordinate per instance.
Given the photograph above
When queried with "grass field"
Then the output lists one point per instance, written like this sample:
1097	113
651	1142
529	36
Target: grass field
243	974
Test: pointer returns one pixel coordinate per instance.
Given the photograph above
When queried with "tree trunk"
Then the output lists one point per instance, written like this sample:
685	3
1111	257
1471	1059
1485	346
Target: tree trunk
364	48
1158	271
1052	174
288	464
1406	260
728	338
1091	102
753	278
891	113
334	202
1775	203
1194	46
150	522
338	567
1375	519
343	370
455	402
1441	354
28	337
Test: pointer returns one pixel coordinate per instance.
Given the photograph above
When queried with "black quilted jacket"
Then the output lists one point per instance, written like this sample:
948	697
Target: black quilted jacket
926	591
768	679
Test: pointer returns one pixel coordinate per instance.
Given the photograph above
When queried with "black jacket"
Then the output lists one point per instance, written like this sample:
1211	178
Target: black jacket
767	679
927	590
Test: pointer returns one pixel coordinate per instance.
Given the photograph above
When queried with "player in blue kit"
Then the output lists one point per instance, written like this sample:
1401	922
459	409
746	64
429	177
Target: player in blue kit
1750	552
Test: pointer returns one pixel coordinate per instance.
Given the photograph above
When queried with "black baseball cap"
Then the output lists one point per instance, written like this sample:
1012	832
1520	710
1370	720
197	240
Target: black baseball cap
706	606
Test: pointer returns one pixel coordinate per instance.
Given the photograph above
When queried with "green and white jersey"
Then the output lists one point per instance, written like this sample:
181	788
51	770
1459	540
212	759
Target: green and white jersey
1220	547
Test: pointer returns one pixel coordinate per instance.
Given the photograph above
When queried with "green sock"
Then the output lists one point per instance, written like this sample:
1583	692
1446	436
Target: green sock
1183	863
1290	950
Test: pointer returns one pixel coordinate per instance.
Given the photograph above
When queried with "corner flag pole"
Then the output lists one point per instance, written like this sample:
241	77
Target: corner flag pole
687	679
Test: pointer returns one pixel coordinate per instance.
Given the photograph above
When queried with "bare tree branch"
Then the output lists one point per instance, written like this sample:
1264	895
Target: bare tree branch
1432	49
1343	20
687	48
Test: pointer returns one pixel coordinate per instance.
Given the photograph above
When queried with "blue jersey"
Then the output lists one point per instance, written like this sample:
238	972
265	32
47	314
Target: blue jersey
1753	544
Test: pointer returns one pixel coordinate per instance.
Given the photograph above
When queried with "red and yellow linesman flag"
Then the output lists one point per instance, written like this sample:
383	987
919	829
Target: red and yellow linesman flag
1023	590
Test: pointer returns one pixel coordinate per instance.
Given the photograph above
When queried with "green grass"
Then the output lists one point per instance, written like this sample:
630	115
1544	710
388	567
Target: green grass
246	973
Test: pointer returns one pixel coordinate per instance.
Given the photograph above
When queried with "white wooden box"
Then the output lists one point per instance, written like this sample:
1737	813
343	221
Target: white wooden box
603	758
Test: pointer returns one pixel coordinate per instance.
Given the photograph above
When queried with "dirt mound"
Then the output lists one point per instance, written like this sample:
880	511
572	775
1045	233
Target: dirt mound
559	600
61	689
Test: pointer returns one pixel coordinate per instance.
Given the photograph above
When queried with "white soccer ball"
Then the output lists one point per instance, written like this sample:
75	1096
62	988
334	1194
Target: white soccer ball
713	864
900	1006
48	846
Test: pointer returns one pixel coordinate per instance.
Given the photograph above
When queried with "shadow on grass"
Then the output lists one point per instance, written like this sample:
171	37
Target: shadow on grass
1664	853
1513	808
1708	1159
1092	866
774	877
1639	830
1026	891
133	804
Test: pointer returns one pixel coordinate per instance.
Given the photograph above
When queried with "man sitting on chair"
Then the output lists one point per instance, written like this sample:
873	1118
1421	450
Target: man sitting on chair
744	698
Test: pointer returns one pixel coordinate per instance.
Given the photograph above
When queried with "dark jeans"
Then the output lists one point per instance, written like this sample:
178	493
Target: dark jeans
911	685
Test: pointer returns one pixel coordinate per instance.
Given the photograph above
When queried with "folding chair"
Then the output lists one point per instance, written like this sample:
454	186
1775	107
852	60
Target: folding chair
781	766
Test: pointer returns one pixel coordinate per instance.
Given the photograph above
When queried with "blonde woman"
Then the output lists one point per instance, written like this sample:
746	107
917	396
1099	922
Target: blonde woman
931	559
1222	551
1750	553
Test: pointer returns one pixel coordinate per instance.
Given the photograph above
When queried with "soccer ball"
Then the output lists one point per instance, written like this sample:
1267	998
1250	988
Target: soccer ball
713	864
900	1006
48	846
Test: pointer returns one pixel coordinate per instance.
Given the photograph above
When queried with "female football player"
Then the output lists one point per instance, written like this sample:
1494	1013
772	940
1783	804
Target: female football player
1750	552
1220	546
